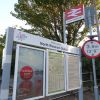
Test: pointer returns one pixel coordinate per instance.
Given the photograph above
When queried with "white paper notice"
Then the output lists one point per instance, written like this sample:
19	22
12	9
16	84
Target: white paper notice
55	72
73	70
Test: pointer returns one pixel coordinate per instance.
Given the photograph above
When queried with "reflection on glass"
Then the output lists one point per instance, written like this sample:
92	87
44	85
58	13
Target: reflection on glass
30	73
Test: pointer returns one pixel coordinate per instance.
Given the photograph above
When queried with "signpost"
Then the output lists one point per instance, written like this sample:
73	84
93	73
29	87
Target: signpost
69	16
92	50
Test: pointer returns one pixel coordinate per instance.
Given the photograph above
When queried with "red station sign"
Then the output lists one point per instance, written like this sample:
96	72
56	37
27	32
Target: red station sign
74	14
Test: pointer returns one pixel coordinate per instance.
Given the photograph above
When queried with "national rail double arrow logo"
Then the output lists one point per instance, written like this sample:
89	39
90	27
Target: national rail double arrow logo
74	14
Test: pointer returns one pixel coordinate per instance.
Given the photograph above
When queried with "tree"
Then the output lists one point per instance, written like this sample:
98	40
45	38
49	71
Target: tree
46	18
2	39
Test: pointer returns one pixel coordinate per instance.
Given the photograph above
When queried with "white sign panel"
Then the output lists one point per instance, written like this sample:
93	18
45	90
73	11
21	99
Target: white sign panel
73	50
74	14
26	38
30	39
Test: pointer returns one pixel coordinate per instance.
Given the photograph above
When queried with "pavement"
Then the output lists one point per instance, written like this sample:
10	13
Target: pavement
88	95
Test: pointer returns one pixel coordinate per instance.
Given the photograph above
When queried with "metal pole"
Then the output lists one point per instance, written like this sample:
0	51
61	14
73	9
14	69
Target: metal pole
64	29
81	89
93	63
96	19
90	26
7	65
95	82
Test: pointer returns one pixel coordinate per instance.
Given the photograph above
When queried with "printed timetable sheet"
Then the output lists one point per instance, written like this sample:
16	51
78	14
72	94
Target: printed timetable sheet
55	72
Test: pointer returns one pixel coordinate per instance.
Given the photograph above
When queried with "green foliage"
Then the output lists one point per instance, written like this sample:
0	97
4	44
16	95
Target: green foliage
98	62
1	49
2	39
46	18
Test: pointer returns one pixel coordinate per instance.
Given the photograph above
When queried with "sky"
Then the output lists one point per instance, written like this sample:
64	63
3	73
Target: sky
6	19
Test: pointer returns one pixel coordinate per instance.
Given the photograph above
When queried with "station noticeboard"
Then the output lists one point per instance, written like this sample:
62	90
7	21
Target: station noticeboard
40	66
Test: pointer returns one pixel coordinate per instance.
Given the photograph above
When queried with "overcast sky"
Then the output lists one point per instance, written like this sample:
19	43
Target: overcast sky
6	19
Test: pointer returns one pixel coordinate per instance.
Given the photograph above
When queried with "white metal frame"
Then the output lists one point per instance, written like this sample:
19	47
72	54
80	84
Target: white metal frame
16	73
67	72
47	74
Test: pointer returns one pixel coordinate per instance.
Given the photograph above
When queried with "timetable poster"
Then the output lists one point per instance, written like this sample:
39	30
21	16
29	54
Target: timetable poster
30	73
73	72
56	81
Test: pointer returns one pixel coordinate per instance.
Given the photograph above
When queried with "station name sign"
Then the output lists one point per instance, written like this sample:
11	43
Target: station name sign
31	39
74	14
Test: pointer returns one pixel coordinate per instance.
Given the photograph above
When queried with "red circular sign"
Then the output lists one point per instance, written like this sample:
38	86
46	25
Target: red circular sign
91	49
26	73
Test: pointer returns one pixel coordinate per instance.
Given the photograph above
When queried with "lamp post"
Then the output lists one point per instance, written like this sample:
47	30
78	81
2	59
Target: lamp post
93	60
